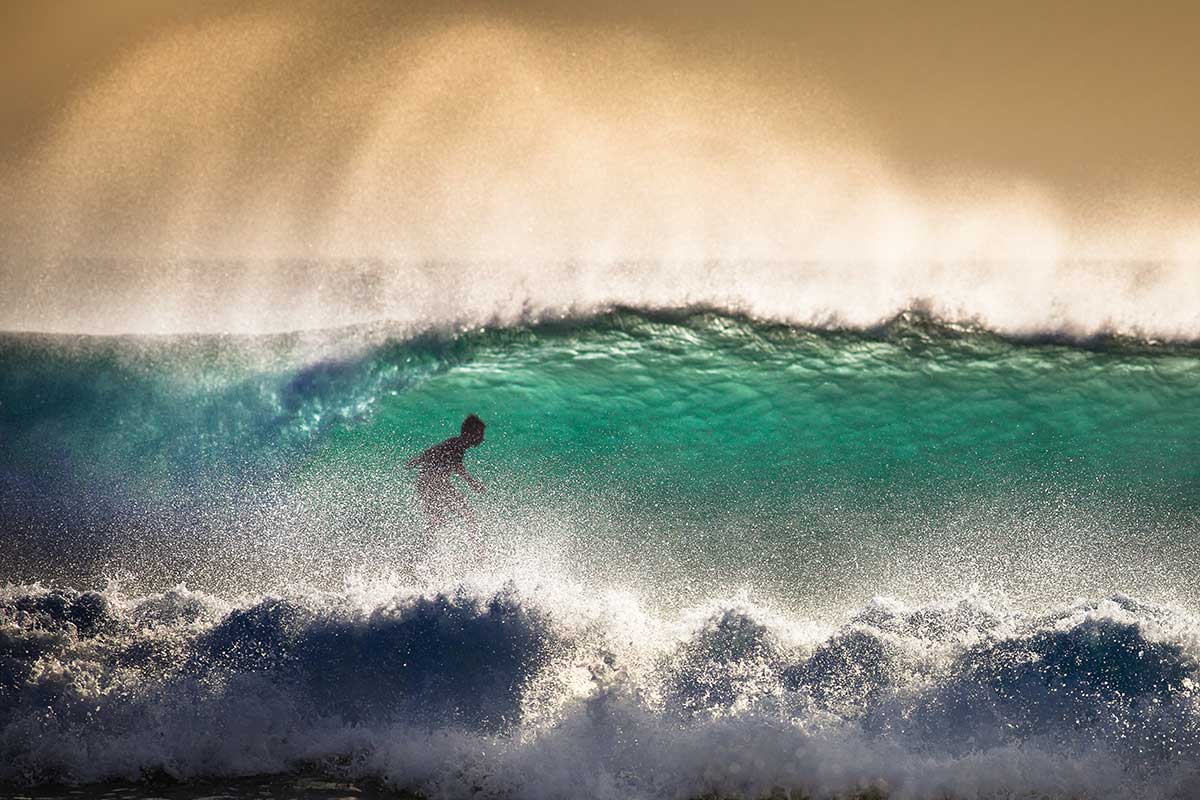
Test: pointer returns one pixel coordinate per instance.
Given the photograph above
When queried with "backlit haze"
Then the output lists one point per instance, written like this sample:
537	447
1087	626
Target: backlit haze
265	166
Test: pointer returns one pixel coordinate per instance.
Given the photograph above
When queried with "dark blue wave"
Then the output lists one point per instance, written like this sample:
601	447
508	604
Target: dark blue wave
96	686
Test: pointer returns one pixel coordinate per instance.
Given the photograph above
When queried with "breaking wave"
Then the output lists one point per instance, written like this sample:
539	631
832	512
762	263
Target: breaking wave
537	693
687	515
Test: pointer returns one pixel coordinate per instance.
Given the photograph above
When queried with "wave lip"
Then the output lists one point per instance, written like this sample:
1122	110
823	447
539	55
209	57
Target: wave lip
505	693
1142	298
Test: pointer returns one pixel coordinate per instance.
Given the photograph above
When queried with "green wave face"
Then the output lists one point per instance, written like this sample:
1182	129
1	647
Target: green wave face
671	454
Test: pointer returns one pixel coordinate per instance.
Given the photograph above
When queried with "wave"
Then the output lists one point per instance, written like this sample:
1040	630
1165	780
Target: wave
160	457
527	693
240	401
1074	300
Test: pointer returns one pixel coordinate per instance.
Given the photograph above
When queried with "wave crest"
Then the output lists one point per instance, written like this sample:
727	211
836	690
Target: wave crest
445	692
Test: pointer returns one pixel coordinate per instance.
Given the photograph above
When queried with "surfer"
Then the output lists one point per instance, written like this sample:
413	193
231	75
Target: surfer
438	498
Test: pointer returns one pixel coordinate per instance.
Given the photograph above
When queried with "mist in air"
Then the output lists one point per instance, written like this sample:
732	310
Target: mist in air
562	400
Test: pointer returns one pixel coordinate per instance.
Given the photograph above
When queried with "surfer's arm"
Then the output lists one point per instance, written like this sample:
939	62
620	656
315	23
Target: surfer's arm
461	469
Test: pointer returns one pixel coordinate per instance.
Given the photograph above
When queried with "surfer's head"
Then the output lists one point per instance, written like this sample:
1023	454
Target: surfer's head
472	430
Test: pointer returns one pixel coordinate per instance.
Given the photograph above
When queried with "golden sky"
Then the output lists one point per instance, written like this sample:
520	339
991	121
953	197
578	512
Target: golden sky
115	111
1078	94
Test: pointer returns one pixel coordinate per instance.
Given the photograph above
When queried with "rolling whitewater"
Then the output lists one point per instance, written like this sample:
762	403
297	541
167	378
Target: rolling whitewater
721	556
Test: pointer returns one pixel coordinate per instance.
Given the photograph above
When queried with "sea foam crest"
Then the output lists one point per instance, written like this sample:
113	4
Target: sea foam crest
452	693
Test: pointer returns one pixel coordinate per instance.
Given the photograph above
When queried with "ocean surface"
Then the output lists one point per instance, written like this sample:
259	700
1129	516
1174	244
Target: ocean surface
719	556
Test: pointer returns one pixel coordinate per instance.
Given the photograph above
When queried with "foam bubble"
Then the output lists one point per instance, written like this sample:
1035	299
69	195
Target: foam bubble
527	693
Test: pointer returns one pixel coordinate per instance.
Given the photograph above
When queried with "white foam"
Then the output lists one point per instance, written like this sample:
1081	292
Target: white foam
597	716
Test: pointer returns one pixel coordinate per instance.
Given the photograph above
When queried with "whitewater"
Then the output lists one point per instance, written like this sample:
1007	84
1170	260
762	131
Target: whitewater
724	553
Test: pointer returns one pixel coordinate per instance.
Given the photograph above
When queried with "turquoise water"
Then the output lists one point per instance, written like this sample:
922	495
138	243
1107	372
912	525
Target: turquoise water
702	447
717	557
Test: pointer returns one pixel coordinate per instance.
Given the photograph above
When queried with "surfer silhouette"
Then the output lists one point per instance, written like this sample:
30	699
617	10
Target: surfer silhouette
438	498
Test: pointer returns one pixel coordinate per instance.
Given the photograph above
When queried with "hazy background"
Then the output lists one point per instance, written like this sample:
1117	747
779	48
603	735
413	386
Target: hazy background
139	138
